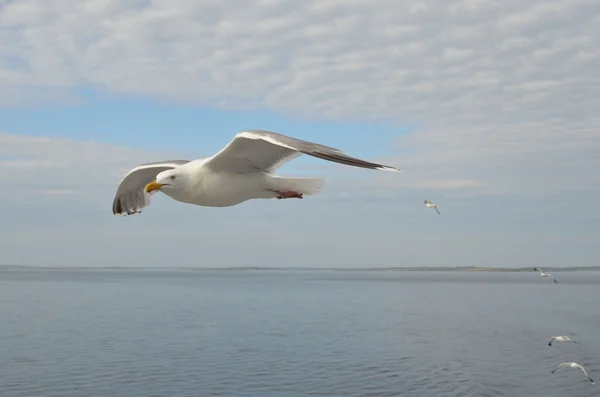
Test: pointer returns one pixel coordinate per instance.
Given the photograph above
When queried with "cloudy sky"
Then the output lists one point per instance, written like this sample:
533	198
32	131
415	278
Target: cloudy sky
490	107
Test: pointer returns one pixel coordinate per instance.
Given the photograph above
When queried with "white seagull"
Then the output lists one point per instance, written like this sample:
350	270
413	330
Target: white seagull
542	274
560	339
574	365
243	170
430	204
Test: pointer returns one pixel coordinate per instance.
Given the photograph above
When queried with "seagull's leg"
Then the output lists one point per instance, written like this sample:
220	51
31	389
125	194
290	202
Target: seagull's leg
289	194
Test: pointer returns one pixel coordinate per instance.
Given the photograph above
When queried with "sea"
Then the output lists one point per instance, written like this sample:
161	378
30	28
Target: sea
292	333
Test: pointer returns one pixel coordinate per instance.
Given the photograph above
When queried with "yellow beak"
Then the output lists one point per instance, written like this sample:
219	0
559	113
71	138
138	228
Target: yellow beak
152	186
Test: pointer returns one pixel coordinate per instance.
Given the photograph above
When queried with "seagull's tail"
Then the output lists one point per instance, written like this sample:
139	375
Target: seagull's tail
305	186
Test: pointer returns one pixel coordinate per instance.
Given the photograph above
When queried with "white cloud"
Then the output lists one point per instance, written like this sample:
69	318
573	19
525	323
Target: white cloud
58	192
33	165
500	89
449	184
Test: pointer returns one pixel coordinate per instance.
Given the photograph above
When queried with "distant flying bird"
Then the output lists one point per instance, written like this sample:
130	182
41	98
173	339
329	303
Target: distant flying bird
560	339
542	274
574	365
430	204
243	170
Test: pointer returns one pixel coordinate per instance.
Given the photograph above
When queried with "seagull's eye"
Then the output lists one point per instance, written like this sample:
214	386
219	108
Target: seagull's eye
173	177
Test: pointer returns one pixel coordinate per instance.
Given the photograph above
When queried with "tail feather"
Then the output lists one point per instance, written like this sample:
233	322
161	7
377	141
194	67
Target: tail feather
307	186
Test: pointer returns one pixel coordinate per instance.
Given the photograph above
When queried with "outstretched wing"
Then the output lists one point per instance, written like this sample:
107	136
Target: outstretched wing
130	197
585	372
560	366
436	209
257	150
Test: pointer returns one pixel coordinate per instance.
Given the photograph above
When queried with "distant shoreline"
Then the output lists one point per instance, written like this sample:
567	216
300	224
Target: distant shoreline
365	269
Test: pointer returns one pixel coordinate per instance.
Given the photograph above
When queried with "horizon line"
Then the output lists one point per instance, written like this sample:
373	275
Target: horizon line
248	268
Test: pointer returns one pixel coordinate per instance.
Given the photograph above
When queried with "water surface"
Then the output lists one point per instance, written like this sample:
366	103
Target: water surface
295	333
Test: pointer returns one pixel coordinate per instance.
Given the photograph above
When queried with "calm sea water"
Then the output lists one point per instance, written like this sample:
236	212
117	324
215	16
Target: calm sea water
295	333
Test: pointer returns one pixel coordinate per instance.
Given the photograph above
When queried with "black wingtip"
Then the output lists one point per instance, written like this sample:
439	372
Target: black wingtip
117	207
119	210
352	161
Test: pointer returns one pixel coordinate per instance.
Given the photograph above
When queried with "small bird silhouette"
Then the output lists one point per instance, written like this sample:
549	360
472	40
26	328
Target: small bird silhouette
560	339
574	365
430	204
542	274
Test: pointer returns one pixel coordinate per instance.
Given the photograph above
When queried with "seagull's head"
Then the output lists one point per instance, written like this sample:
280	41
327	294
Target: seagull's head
169	179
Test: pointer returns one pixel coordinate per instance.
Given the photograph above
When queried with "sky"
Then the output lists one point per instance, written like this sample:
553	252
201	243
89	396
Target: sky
489	107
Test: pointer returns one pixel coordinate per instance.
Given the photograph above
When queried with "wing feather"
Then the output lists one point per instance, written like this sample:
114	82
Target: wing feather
562	365
258	150
130	197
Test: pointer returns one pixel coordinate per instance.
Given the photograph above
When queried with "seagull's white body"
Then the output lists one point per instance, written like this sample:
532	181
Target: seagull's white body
243	170
209	189
576	366
560	339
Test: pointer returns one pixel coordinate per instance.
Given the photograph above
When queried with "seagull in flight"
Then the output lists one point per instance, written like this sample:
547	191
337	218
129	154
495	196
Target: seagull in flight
243	170
576	366
560	339
430	204
542	274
